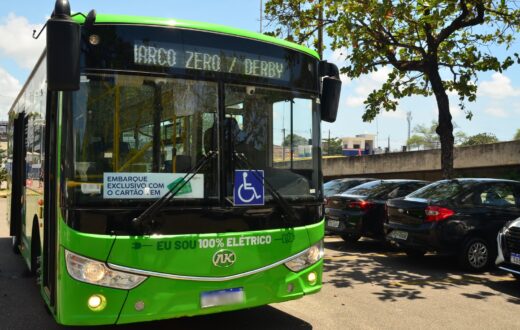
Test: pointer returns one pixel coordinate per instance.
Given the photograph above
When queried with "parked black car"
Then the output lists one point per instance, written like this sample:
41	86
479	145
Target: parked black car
460	217
508	257
337	186
360	211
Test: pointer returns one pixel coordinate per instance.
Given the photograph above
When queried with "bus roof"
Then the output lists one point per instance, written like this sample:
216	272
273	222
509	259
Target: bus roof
193	25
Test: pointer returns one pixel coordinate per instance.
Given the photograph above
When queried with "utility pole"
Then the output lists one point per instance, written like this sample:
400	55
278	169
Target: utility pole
320	30
261	14
328	145
409	120
388	143
283	144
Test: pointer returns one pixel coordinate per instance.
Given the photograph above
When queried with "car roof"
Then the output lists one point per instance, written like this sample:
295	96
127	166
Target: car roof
482	180
353	179
403	181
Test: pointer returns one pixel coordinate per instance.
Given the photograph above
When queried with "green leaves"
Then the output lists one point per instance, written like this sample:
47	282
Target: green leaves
411	36
433	46
481	138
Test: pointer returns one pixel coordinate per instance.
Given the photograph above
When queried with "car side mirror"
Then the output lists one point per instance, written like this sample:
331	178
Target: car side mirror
63	49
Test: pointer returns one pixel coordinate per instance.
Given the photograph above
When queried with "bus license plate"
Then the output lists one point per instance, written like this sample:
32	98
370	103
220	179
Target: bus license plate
222	297
515	258
333	223
402	235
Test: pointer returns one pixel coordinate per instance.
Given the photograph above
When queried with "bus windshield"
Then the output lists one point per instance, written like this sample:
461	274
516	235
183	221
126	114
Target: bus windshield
135	135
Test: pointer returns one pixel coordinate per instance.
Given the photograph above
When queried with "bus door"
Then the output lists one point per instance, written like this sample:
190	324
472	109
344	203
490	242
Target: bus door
17	220
49	206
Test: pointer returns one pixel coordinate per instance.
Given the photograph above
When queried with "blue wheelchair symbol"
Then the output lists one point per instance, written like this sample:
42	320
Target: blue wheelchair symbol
249	187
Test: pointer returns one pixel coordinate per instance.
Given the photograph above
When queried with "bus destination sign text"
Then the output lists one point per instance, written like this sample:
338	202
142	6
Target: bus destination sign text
163	55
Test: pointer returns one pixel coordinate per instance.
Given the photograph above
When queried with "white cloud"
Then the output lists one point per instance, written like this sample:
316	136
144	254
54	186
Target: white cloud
338	57
17	41
365	85
397	114
455	110
498	87
381	75
496	112
9	88
354	101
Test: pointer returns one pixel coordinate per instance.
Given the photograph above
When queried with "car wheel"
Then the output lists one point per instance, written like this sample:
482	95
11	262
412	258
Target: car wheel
475	255
350	238
415	254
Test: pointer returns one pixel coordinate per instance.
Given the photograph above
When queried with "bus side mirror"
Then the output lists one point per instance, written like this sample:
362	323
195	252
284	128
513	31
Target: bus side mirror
330	91
330	94
63	49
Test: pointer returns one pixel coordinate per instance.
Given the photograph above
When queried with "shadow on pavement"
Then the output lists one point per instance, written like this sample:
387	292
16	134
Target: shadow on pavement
399	277
265	317
23	308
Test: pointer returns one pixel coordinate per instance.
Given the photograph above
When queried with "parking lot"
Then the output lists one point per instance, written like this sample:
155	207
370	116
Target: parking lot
367	285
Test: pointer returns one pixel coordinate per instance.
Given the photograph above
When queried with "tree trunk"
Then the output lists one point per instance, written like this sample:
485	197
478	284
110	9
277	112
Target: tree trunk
445	127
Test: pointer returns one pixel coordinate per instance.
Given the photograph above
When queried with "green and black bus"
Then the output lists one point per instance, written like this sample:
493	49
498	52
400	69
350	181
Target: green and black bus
161	168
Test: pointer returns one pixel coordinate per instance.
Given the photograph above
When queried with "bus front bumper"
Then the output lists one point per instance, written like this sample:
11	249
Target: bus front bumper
161	298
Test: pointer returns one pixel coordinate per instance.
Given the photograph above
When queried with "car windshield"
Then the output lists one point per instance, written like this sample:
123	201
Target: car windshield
372	189
338	186
441	190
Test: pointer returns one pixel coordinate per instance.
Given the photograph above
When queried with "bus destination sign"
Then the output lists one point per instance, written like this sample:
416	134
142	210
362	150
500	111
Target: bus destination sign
209	59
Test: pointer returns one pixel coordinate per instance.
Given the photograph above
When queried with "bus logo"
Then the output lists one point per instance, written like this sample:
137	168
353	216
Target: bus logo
224	258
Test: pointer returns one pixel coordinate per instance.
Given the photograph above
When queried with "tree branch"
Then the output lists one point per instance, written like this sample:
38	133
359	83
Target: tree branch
461	22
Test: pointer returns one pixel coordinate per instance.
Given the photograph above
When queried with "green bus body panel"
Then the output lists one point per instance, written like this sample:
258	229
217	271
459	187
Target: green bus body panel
164	298
168	298
88	245
171	254
193	25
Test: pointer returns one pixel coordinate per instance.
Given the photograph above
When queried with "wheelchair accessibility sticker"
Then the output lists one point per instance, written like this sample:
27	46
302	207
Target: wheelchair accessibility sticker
249	187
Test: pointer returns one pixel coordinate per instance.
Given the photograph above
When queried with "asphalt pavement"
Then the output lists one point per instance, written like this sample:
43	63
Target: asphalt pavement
367	285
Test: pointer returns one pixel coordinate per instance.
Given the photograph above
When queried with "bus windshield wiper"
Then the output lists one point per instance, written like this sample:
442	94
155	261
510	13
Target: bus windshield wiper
141	221
289	215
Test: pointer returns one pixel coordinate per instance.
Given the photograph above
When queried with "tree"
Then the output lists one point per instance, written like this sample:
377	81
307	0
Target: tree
297	140
333	146
432	47
425	137
517	135
481	138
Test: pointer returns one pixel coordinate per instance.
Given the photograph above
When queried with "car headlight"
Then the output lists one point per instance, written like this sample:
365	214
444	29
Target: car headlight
96	272
307	258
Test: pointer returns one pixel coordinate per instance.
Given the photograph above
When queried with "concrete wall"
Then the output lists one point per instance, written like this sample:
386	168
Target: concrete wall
487	160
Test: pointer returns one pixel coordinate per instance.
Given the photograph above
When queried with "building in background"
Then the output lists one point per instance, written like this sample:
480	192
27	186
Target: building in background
361	144
3	131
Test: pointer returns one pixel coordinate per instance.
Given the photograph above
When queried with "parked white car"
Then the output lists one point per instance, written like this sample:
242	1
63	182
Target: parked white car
508	239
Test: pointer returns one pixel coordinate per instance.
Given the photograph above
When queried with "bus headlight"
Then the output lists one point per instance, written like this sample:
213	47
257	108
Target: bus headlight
309	257
96	272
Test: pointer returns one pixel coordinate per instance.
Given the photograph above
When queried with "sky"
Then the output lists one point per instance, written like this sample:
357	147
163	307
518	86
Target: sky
497	109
